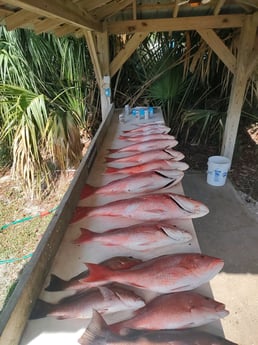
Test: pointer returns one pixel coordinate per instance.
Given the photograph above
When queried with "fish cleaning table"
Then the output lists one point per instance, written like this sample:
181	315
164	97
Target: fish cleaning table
69	260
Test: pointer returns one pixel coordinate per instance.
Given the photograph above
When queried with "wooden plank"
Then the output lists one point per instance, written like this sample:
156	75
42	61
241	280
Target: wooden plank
46	25
102	46
177	24
15	315
111	9
134	10
125	53
220	49
253	58
64	29
247	40
94	57
218	7
19	19
58	9
176	9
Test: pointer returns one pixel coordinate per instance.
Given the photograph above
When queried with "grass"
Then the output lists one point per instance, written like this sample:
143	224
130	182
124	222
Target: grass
21	239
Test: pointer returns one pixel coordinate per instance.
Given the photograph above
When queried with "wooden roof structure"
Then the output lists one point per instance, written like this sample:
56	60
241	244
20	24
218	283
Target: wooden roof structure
97	19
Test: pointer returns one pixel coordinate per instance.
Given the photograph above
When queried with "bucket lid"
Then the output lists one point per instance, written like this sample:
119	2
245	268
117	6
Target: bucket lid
219	160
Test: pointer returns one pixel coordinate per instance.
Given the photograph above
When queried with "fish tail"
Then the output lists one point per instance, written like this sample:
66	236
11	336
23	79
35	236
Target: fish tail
87	191
97	273
40	310
79	213
56	284
96	330
86	236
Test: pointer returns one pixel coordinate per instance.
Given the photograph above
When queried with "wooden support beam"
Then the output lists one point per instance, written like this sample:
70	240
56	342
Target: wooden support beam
134	10
19	19
218	7
126	52
102	46
64	29
94	57
245	49
58	9
46	25
176	9
218	46
176	24
253	58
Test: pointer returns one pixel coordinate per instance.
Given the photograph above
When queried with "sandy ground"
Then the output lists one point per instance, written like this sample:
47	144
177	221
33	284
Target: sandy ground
230	231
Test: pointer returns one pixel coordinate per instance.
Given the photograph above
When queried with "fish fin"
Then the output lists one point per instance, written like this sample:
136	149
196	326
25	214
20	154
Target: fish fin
110	170
96	273
86	236
87	191
56	283
40	310
109	159
113	150
95	333
79	213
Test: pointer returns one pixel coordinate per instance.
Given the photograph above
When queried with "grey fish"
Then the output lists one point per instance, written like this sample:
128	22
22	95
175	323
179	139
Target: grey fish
105	299
99	333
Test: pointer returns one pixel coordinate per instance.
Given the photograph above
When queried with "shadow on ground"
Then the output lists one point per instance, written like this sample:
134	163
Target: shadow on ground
230	230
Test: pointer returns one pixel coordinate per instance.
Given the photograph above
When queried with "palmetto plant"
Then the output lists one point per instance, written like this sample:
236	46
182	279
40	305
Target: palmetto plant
45	82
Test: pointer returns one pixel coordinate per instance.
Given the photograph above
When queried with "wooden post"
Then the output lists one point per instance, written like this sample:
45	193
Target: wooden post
246	45
102	45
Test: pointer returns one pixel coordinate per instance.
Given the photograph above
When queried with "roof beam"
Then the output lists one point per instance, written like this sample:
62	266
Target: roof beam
61	10
218	46
126	52
94	56
177	24
111	8
46	25
19	19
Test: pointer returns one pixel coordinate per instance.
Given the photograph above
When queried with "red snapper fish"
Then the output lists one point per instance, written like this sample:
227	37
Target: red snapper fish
148	156
163	274
104	299
99	333
150	207
173	311
163	164
148	181
146	137
114	263
137	237
147	146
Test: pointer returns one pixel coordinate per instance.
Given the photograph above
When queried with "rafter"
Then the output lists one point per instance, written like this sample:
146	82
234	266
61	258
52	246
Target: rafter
58	9
19	19
111	9
176	24
46	25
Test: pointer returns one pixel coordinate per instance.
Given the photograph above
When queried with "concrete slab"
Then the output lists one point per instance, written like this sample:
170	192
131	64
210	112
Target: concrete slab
230	231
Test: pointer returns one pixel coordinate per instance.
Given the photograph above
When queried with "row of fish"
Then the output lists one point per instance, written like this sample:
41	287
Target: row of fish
108	287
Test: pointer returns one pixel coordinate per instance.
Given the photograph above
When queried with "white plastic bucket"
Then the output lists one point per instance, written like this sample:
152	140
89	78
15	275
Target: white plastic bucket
218	167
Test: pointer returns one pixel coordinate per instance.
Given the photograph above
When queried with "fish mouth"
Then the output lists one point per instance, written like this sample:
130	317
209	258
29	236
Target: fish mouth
189	206
174	175
176	155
